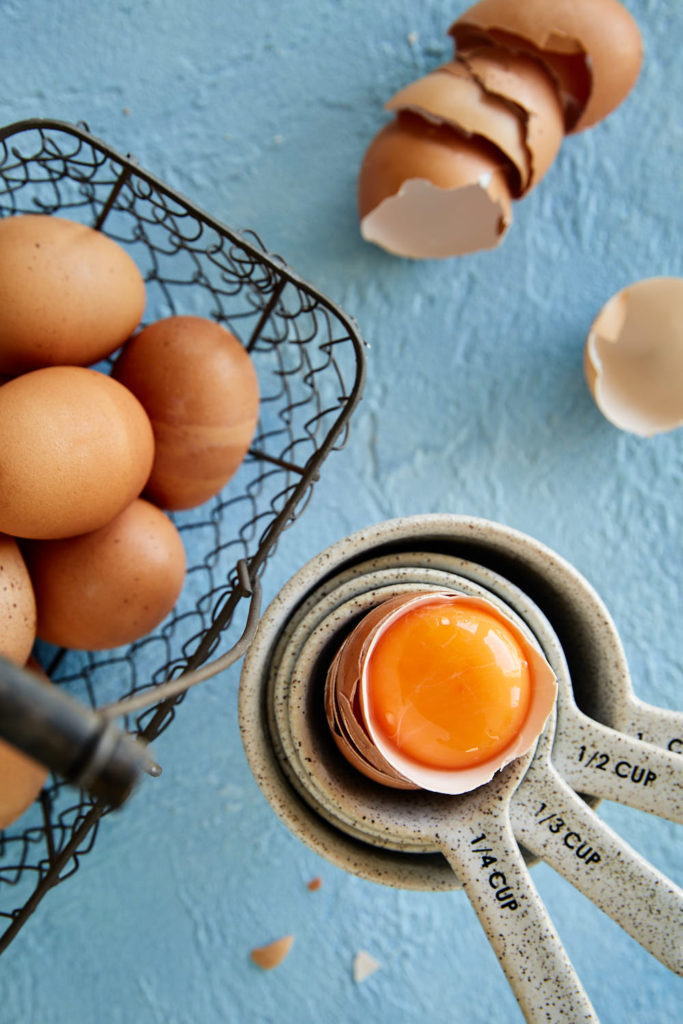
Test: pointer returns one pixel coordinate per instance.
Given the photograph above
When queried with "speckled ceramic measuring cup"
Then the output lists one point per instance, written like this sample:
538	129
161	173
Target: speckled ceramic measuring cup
636	774
547	815
471	830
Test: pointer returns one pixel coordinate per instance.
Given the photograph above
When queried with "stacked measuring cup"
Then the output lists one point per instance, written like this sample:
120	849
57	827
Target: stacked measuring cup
600	742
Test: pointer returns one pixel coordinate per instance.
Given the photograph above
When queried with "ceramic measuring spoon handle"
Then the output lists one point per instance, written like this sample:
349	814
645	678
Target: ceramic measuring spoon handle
654	725
487	860
600	761
551	821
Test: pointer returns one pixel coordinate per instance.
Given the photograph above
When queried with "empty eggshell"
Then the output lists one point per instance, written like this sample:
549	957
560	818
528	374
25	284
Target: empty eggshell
453	96
523	84
633	357
593	48
427	192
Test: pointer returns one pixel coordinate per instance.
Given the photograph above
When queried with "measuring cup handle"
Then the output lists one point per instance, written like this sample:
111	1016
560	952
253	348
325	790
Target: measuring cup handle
551	821
600	761
654	725
497	882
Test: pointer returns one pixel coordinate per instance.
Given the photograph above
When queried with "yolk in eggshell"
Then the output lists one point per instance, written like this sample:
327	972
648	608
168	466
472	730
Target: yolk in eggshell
448	685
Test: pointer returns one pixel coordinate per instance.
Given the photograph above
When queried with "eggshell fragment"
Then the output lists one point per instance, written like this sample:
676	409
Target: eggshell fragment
109	587
525	86
364	965
17	604
270	956
200	390
68	294
593	48
76	447
453	96
341	701
427	192
633	357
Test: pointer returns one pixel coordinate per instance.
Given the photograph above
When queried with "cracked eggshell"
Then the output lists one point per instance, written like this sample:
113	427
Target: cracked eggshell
452	95
465	779
593	48
427	192
342	705
524	85
633	357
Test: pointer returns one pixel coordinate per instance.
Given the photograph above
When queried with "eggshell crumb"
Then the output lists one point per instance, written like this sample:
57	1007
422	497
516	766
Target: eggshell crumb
271	955
364	964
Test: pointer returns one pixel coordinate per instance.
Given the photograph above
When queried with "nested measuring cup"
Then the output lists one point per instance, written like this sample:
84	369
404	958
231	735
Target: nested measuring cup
472	831
548	817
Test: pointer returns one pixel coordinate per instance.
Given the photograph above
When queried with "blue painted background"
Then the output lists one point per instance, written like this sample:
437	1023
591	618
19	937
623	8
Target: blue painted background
475	403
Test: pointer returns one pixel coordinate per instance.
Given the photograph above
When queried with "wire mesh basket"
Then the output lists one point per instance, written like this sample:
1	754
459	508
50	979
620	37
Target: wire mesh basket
310	362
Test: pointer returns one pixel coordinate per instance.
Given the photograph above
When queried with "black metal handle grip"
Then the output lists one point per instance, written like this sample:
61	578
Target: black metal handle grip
85	749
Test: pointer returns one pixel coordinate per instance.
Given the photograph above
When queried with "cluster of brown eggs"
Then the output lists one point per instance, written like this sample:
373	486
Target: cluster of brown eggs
483	129
92	461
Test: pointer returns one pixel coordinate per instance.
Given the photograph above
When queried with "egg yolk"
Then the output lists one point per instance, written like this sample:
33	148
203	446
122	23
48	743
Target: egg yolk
447	684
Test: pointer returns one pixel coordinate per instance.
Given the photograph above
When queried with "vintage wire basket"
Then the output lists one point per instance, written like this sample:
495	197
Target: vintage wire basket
309	358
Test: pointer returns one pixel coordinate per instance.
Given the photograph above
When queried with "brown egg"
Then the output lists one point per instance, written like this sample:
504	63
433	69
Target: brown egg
109	587
200	389
75	448
68	294
17	604
593	48
21	778
426	191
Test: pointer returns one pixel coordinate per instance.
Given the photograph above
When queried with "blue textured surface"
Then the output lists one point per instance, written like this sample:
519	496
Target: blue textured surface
475	403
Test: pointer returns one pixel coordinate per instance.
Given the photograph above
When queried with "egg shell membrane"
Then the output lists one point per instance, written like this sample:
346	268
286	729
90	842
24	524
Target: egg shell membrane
544	693
454	97
426	191
593	48
633	357
525	86
342	706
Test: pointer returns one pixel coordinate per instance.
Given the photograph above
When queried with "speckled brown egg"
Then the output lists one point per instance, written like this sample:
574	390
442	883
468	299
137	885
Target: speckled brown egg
109	587
75	448
68	294
200	390
17	604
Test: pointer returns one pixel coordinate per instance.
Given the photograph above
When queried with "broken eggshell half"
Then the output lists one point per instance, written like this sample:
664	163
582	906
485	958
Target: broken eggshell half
633	357
363	745
425	191
592	48
506	99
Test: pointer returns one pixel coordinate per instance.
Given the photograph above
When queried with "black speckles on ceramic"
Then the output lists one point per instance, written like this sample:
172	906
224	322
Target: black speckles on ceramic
325	808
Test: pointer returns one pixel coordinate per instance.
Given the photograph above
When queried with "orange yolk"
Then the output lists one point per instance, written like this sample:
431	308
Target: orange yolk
448	685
